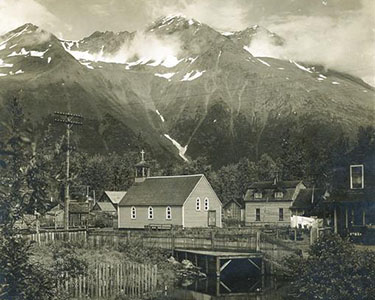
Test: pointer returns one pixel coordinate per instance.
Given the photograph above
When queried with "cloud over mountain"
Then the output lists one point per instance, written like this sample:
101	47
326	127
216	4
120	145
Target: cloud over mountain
346	43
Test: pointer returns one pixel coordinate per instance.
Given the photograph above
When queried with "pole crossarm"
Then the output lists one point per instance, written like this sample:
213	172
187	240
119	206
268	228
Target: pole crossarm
72	122
68	114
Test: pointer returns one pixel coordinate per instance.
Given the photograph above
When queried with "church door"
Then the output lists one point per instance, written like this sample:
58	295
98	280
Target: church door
212	218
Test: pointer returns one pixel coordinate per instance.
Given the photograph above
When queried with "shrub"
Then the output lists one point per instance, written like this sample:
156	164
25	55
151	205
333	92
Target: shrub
334	270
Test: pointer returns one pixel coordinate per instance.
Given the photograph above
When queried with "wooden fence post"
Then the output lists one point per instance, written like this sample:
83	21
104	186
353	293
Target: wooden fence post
212	240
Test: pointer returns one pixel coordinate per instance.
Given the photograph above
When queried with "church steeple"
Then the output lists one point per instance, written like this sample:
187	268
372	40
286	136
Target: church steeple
142	169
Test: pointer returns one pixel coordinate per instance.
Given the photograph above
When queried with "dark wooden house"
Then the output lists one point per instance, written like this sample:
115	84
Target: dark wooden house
308	201
78	213
352	200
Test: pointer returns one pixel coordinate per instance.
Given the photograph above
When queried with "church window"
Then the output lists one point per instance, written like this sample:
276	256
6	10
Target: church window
168	213
198	204
206	204
150	213
133	213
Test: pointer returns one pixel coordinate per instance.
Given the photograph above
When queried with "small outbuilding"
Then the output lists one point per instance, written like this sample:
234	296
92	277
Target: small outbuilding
104	207
234	211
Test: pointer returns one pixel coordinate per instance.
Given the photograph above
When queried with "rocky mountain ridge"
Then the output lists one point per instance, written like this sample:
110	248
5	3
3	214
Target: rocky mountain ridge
180	89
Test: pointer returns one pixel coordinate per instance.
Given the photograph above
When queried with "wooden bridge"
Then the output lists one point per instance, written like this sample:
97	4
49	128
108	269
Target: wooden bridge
224	264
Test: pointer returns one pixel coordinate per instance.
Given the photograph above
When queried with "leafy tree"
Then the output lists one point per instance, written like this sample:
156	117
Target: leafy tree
19	278
22	191
333	270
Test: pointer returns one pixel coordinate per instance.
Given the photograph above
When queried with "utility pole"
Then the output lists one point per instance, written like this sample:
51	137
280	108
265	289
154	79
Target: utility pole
69	120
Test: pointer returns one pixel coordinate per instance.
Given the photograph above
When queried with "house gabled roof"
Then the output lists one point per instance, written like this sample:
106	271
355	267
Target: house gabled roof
235	202
307	198
268	189
162	190
263	185
105	206
55	210
115	196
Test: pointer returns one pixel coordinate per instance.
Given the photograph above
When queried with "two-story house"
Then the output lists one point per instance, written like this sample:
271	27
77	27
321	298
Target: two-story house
352	199
269	202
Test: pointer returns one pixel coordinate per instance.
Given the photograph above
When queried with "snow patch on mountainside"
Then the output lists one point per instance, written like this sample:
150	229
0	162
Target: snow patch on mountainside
5	65
191	59
160	115
181	150
171	61
24	52
192	75
300	66
246	48
87	64
165	75
37	53
263	62
145	47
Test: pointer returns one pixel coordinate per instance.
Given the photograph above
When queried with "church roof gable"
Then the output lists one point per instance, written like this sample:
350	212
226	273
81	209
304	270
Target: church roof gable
162	190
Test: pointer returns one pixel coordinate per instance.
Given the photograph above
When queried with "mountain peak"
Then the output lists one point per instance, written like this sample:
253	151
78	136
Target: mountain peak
27	27
176	20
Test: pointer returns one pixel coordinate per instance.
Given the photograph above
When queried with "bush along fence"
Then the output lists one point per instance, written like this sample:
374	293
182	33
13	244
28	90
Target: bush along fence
105	281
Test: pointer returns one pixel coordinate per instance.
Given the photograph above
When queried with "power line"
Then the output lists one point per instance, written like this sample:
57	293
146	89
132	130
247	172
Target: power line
69	119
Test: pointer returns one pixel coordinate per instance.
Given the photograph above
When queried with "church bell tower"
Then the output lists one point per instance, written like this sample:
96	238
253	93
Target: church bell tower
142	169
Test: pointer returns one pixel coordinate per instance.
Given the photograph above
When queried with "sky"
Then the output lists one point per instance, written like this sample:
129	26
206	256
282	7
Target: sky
339	34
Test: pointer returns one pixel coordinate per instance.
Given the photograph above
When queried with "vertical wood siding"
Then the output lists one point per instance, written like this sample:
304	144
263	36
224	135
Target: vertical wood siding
142	216
194	218
269	213
232	211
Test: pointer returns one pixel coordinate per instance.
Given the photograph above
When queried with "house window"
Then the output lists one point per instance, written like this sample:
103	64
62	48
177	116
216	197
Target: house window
281	214
257	214
133	213
198	204
356	177
206	204
150	213
168	213
258	195
279	195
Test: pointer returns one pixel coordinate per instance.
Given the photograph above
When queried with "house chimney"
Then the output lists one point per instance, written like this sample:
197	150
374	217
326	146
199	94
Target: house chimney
276	179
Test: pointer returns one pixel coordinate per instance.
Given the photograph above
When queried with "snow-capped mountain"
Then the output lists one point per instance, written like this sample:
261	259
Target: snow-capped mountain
180	89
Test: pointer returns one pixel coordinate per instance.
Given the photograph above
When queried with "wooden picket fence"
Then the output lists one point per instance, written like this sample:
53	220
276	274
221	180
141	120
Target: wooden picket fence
57	235
105	281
